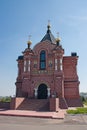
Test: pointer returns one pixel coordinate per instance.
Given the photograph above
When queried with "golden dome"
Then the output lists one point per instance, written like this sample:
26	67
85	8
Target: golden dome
58	39
29	42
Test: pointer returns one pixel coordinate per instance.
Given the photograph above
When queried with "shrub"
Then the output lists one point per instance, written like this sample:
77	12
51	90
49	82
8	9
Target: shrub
5	99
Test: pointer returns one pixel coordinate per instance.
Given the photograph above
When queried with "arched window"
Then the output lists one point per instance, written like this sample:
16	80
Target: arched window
43	60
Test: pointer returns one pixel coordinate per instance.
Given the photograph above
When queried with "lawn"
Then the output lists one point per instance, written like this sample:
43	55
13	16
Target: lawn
80	110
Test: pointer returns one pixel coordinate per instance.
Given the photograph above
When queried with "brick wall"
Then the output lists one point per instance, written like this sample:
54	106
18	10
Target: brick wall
4	105
15	102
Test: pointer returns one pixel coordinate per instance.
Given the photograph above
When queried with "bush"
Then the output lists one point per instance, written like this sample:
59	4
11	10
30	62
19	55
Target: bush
5	99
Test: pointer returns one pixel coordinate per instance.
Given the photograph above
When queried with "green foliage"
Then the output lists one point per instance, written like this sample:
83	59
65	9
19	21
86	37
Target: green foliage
85	103
82	98
81	110
5	99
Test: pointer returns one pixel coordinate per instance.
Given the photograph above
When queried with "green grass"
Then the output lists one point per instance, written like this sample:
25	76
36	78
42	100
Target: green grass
81	110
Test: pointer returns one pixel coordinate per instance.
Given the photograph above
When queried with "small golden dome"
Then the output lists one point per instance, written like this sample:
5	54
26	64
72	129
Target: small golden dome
29	42
58	39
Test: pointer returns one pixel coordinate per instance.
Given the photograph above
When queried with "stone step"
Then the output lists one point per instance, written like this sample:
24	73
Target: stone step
34	105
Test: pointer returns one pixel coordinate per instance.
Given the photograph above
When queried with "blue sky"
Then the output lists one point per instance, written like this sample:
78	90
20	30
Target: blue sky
21	18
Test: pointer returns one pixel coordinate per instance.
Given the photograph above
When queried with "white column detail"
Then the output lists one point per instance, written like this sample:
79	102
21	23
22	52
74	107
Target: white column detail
61	64
48	89
55	64
24	65
35	93
29	65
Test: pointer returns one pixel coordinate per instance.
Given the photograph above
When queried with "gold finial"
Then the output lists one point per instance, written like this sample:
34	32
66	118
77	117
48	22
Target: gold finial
29	41
48	24
58	38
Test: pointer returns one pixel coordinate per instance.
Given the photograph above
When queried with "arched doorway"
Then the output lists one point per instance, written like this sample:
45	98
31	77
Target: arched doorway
42	91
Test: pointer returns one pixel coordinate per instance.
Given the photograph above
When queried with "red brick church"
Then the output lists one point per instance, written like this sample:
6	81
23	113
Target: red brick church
46	78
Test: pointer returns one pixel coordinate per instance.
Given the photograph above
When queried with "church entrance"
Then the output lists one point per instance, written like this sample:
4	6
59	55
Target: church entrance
42	91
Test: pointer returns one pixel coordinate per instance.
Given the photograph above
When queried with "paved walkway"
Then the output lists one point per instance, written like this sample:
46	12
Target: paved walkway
70	122
55	115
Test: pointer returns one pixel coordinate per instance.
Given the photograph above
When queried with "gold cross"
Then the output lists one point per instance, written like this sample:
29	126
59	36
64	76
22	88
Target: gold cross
57	34
49	22
29	37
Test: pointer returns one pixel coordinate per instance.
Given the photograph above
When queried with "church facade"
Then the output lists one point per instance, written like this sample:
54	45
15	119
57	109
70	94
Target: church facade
45	73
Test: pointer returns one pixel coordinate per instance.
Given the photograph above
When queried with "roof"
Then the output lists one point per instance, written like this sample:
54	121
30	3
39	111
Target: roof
49	36
20	57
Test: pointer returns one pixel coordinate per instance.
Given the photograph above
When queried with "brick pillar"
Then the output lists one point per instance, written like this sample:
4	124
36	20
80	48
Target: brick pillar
54	104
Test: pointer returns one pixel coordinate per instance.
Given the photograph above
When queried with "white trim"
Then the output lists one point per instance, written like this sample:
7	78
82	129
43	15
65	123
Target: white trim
56	64
25	65
61	64
35	92
29	65
48	90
